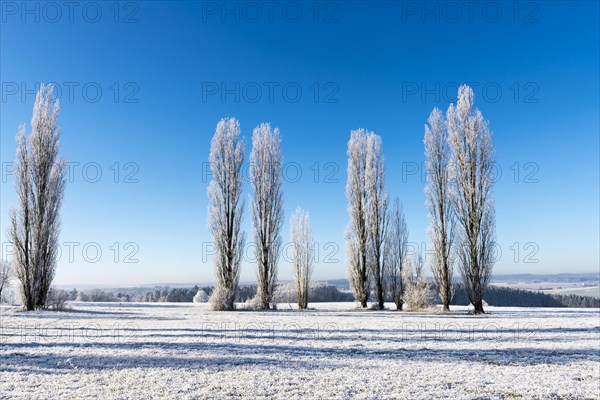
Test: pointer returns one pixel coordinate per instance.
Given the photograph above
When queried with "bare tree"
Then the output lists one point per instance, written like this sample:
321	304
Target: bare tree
5	276
302	254
377	213
471	168
56	299
437	154
396	253
357	233
417	295
40	184
226	211
266	177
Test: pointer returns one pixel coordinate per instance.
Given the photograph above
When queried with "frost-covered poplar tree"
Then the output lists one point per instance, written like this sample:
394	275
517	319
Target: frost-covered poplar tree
396	253
302	254
357	232
471	168
226	210
266	164
40	184
377	214
441	216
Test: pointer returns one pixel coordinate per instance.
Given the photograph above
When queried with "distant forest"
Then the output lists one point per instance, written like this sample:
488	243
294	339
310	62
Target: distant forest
324	292
509	297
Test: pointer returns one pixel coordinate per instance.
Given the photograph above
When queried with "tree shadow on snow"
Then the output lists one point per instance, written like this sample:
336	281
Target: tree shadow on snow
26	356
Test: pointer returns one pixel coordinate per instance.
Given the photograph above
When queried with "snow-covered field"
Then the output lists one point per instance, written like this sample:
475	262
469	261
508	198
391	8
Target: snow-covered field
593	291
139	351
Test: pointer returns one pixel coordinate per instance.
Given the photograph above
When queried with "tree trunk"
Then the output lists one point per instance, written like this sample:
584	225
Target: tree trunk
479	307
447	297
29	306
380	301
306	298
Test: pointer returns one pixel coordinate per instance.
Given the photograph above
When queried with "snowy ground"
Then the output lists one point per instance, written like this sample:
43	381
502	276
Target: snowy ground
106	351
593	291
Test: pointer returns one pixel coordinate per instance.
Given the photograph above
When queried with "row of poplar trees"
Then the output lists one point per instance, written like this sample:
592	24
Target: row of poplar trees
459	167
459	164
226	210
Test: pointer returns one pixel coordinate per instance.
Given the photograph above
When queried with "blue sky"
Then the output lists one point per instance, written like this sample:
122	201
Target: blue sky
143	85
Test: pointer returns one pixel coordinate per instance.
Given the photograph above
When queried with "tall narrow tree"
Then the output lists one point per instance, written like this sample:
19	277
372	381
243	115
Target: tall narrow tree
396	253
40	184
357	233
266	177
226	210
377	213
441	217
302	254
471	168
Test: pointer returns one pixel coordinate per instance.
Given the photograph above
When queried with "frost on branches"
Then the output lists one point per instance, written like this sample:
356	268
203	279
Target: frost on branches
357	236
471	169
40	184
396	253
368	211
225	211
302	254
377	214
417	295
266	163
441	215
6	273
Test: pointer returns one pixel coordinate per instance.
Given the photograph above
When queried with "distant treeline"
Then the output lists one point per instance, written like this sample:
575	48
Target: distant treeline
320	292
324	292
508	297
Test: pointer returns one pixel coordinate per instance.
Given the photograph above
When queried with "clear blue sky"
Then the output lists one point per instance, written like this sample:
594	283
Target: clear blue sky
168	75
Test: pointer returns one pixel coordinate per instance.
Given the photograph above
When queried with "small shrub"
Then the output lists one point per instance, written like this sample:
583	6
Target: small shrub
56	299
200	297
417	293
220	300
